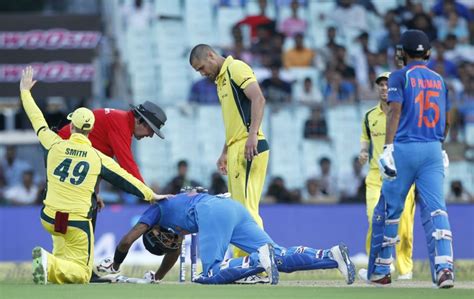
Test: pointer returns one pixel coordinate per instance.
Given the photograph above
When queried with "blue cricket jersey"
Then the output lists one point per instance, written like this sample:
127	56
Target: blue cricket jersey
424	99
177	213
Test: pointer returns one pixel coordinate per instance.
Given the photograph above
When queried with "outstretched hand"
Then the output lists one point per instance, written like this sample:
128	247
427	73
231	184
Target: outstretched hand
158	197
27	82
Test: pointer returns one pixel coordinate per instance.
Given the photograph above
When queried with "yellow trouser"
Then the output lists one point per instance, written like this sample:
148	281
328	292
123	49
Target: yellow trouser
246	179
404	249
73	252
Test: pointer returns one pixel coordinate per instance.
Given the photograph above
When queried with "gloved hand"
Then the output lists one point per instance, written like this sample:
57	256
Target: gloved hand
150	276
445	162
387	164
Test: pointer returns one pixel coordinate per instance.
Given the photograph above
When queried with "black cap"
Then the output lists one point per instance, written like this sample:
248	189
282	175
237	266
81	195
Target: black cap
154	116
415	41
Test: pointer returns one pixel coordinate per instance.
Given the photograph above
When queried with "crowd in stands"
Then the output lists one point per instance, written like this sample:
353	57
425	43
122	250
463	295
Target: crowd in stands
349	60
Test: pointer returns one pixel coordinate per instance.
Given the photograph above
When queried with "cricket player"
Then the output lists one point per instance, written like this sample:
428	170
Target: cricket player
245	154
371	142
417	124
73	167
219	222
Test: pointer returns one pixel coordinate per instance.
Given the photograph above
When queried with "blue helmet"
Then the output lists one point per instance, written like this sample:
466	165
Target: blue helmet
415	41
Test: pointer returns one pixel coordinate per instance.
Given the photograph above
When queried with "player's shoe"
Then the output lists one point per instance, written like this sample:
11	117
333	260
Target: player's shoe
253	279
266	255
445	279
340	254
376	279
106	267
406	276
40	265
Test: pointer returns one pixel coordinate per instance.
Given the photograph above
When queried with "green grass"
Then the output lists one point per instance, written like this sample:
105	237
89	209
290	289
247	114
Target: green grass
15	282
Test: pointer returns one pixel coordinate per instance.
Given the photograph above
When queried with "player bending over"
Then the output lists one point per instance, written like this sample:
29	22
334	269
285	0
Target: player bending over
220	222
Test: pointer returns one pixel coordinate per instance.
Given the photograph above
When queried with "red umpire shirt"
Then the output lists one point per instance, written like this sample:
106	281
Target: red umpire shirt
112	135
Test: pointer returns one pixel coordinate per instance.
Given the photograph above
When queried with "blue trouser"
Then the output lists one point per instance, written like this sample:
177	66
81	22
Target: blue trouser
224	221
420	163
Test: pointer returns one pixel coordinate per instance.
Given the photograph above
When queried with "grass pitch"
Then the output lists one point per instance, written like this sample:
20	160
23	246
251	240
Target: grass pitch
15	282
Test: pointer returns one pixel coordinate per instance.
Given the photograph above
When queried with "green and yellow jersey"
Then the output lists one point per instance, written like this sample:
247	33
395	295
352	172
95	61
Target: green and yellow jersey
73	168
233	78
373	131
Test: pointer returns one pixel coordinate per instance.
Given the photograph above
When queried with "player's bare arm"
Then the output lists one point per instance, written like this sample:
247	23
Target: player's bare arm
168	262
222	161
255	95
364	152
393	118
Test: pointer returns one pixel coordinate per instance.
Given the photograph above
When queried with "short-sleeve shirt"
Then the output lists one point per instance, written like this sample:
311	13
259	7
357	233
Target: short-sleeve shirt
373	132
424	99
233	78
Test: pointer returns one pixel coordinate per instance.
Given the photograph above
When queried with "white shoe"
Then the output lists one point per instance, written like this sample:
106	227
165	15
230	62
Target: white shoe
340	254
40	265
406	276
253	279
150	276
266	255
106	267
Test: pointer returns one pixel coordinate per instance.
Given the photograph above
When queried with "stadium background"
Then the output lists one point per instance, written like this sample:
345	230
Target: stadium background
117	53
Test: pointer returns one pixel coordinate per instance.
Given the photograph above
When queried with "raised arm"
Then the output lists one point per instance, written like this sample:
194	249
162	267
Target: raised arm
45	135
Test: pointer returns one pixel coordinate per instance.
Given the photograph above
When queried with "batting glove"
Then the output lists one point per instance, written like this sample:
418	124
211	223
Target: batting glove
387	164
445	163
150	276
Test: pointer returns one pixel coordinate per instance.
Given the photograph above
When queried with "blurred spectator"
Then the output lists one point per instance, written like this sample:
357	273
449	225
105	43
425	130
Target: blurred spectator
332	45
309	95
454	25
13	167
353	16
449	68
293	24
407	10
391	37
359	58
239	51
25	192
311	192
422	21
203	91
299	56
275	89
181	180
316	126
455	148
353	185
137	15
369	92
262	45
254	21
337	89
328	183
444	7
277	191
218	184
457	194
55	112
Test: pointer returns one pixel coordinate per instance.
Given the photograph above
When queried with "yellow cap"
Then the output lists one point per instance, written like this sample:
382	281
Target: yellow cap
82	118
381	76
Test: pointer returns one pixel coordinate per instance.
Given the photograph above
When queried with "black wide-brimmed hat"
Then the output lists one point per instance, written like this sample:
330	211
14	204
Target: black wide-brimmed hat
154	116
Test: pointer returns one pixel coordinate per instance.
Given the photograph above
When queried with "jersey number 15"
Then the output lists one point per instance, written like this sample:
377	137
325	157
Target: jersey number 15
425	105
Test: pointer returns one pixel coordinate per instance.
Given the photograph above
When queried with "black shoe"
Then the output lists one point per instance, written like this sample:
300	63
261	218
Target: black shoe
445	279
97	279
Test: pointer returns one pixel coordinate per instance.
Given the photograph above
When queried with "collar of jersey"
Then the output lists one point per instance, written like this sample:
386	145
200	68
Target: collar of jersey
79	138
226	63
416	62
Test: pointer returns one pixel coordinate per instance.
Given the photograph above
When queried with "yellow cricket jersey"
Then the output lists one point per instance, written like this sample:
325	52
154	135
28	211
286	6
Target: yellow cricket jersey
73	167
373	131
233	78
